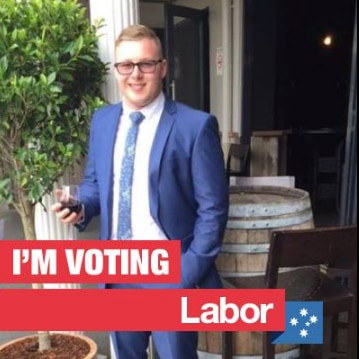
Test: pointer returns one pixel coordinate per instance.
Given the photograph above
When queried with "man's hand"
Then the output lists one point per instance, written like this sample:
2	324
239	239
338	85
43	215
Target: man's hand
64	214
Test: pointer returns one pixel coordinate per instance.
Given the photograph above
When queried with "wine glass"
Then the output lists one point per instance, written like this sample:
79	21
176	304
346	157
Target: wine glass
70	198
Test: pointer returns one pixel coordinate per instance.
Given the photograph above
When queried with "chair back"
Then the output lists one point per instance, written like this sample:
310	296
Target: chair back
331	246
325	248
239	152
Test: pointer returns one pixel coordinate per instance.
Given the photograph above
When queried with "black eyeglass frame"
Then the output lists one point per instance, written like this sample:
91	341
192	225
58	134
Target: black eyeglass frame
140	65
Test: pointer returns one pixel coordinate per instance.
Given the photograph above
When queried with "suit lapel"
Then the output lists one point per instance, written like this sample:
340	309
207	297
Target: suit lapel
164	128
113	119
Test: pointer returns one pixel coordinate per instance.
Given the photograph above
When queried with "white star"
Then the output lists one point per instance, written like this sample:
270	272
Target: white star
307	324
304	312
304	333
293	322
313	319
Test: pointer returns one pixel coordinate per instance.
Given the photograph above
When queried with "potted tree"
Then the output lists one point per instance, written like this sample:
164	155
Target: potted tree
50	83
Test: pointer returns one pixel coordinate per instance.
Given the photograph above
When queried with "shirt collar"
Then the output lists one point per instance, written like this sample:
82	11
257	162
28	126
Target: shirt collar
148	111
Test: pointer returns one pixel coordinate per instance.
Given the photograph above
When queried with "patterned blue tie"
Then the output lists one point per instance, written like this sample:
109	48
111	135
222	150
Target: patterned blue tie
124	220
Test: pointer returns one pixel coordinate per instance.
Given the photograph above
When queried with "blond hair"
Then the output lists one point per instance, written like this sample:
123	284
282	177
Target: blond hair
137	33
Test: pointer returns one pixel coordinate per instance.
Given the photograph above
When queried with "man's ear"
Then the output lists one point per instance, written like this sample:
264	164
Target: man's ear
164	68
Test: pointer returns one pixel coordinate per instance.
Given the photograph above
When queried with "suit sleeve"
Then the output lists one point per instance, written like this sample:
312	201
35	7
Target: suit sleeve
212	198
89	187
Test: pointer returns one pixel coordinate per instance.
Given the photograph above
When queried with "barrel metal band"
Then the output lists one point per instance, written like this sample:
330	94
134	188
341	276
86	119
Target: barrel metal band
245	248
268	209
251	274
242	223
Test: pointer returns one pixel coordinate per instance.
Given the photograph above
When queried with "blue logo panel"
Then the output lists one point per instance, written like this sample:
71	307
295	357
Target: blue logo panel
303	324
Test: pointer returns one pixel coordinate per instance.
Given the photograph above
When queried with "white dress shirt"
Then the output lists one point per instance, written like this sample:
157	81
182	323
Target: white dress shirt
143	225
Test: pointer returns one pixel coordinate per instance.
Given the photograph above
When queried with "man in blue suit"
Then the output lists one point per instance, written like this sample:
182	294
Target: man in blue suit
178	183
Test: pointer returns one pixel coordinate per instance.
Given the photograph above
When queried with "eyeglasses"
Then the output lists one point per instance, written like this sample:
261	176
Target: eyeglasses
146	67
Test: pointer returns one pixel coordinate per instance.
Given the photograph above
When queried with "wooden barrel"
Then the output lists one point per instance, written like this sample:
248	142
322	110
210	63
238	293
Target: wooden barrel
247	345
253	214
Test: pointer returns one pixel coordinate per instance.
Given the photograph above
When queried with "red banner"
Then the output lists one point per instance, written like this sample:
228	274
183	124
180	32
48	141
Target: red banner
142	309
89	261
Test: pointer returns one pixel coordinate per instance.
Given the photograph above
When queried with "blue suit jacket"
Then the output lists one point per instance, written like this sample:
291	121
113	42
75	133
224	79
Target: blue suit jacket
188	187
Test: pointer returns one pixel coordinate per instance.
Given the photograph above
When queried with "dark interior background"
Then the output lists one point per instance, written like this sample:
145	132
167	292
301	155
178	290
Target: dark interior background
293	82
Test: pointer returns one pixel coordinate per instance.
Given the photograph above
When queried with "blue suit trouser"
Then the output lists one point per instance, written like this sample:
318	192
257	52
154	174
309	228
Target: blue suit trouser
169	345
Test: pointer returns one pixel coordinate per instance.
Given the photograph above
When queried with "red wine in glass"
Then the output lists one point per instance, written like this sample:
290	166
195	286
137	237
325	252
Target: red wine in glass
72	205
70	198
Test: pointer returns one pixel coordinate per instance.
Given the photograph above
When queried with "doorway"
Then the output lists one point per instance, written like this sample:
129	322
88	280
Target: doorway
297	78
187	50
313	82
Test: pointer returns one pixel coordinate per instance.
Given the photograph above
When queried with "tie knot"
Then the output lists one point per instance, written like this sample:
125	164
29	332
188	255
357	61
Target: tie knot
136	117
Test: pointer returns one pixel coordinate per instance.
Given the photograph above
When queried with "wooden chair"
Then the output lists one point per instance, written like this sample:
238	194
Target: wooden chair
239	152
308	248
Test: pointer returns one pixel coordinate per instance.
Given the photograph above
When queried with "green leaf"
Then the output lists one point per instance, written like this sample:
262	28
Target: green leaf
51	78
43	79
50	83
23	182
